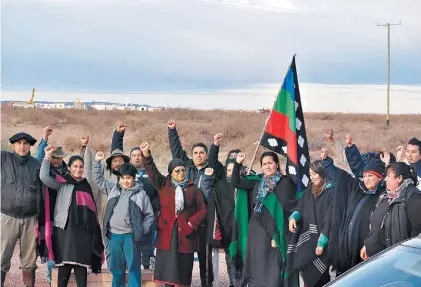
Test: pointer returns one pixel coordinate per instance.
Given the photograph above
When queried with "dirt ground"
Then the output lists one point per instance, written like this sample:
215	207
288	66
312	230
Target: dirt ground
14	276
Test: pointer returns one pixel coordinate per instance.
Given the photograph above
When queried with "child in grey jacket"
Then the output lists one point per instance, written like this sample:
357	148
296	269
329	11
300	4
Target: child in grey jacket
128	217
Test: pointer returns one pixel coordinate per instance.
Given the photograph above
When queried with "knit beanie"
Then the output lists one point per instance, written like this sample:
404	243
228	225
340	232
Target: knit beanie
174	163
128	169
375	167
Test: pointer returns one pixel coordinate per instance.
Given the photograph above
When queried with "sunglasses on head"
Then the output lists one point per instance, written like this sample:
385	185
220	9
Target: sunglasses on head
179	170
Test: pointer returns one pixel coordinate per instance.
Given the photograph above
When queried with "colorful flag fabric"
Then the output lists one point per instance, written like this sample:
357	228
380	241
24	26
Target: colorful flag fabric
285	131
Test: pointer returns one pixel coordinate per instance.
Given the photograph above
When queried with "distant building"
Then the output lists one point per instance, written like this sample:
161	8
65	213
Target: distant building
50	105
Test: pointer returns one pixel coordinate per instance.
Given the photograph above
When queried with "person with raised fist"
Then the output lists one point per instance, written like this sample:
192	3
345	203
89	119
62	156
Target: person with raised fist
268	197
48	199
147	249
195	168
127	221
182	211
75	224
221	203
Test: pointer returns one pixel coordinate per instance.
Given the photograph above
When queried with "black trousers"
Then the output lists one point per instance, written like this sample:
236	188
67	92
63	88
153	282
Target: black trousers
81	275
205	258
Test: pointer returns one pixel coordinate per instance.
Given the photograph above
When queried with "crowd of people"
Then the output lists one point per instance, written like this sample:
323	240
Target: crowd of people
122	212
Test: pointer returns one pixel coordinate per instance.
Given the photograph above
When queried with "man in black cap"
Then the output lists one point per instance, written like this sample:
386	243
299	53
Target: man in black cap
20	195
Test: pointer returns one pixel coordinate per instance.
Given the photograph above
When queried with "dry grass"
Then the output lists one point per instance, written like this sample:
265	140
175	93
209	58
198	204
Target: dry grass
241	129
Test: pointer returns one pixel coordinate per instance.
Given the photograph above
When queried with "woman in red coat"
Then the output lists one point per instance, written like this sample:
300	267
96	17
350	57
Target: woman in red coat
182	210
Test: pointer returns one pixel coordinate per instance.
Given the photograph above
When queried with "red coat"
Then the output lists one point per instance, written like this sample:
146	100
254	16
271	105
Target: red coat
194	211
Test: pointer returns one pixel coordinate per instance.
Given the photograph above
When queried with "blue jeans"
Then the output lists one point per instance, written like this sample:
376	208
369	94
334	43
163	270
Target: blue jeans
50	264
124	253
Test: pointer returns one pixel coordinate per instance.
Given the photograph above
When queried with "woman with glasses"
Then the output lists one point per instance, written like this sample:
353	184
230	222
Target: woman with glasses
182	210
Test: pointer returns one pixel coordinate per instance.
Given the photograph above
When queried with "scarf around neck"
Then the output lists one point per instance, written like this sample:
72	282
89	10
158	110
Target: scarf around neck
266	185
395	194
179	196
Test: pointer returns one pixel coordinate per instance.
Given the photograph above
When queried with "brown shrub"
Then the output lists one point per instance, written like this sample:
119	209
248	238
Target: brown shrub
241	128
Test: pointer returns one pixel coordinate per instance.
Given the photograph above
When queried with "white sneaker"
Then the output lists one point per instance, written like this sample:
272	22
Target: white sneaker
152	263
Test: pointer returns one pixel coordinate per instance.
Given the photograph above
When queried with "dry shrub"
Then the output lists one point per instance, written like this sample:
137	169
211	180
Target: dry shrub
241	128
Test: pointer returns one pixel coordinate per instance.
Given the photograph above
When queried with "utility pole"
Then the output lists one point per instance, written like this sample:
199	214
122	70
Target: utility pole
387	25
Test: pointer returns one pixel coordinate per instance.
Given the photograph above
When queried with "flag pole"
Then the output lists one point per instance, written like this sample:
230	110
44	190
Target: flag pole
258	145
263	131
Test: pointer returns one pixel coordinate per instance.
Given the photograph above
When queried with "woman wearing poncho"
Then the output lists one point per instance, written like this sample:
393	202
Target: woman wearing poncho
310	226
182	210
265	259
76	242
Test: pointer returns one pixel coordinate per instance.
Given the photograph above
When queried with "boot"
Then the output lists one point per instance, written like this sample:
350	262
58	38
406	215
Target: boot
3	278
28	278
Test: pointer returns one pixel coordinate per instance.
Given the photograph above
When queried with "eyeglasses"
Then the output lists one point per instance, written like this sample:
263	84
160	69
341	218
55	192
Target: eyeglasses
180	170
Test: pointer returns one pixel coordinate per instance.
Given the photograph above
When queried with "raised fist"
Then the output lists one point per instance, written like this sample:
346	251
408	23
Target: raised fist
47	132
385	157
171	124
121	127
99	156
209	171
400	153
324	153
241	157
84	140
218	138
49	151
329	134
144	147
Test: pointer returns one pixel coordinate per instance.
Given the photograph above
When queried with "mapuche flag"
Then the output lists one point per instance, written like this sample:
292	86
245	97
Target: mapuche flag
285	131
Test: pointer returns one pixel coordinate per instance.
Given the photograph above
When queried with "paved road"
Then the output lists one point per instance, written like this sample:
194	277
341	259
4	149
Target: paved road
14	277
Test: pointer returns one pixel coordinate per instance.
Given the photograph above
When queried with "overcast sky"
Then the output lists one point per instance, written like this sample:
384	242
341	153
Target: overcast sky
127	45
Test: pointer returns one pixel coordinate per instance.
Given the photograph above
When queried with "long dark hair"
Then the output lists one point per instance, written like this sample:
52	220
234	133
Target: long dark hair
404	170
317	167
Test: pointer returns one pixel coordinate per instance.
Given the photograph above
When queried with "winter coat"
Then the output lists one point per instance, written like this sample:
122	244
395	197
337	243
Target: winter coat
194	211
142	177
141	214
195	175
20	185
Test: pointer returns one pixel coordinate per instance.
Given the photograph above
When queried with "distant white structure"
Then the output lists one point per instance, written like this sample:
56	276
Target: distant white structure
118	106
49	105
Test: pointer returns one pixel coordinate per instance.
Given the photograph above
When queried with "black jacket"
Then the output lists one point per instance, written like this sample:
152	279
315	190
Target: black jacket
195	175
20	185
355	160
394	221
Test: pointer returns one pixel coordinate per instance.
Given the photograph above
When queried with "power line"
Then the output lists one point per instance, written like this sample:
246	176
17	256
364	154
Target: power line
387	25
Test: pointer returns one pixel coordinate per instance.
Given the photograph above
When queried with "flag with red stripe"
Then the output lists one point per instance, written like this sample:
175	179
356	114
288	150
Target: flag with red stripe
285	131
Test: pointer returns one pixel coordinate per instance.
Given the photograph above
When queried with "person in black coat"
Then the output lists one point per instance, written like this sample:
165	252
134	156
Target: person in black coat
310	224
221	203
396	216
353	204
